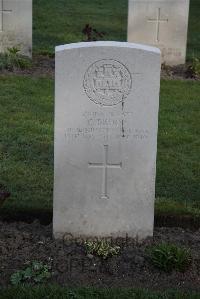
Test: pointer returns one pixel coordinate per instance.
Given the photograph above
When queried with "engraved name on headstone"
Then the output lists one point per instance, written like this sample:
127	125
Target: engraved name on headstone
16	25
160	23
106	118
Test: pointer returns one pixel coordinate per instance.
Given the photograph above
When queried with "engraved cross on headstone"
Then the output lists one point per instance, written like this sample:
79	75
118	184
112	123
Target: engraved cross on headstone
158	20
2	12
105	166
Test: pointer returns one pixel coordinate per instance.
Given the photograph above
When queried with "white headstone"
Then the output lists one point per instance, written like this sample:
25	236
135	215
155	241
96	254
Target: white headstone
106	119
16	25
160	23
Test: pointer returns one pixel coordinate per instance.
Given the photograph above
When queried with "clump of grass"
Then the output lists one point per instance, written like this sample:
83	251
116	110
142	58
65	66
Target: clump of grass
101	248
35	273
194	68
11	60
169	257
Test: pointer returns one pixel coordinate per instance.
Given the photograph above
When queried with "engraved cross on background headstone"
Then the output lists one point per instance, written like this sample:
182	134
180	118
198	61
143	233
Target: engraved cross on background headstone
158	20
105	166
2	12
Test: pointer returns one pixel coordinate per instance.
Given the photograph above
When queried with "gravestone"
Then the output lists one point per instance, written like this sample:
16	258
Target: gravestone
106	119
16	25
160	23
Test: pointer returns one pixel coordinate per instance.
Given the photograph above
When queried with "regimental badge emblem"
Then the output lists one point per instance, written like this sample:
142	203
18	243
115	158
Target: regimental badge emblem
107	82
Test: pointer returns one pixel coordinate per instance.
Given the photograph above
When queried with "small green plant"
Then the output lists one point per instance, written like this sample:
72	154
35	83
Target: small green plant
194	68
101	248
11	60
36	272
168	257
13	50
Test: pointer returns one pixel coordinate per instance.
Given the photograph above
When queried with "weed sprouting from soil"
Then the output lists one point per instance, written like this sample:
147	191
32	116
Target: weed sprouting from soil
35	273
12	59
101	248
169	257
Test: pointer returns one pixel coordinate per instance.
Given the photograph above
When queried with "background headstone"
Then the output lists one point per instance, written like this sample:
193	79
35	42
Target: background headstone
160	23
16	25
106	118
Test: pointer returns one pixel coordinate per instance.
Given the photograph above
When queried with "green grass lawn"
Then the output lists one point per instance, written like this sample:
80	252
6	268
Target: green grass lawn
57	22
67	18
193	47
26	147
55	292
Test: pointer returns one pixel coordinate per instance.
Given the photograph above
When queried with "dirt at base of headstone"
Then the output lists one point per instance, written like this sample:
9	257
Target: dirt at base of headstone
71	266
41	66
45	66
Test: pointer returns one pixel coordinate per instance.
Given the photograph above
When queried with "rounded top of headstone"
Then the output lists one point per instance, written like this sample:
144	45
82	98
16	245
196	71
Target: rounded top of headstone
107	44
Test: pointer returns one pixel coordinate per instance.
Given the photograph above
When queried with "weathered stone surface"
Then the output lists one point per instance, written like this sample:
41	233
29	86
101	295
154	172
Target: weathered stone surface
161	23
106	119
16	25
